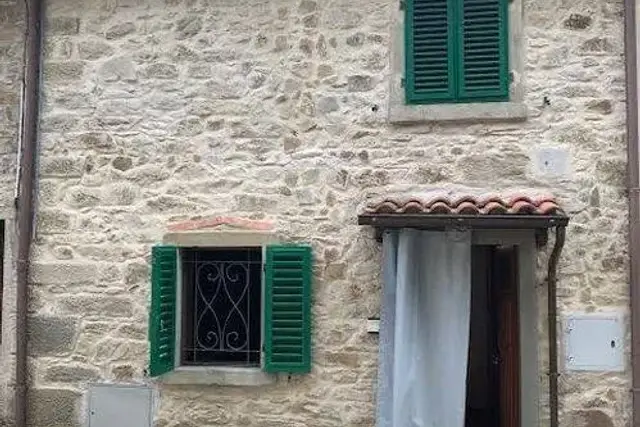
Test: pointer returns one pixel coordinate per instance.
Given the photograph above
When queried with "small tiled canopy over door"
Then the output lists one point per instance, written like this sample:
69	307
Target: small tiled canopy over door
446	218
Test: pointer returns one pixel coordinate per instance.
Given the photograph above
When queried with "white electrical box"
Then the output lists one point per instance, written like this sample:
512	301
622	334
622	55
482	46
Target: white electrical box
121	406
594	342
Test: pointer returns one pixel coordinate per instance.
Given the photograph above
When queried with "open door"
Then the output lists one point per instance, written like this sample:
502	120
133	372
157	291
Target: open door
493	377
505	270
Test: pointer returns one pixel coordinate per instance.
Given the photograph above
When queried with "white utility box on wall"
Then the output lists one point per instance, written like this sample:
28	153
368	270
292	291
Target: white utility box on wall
594	342
120	406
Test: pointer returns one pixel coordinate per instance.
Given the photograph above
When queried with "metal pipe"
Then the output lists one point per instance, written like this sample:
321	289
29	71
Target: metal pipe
25	201
552	279
633	193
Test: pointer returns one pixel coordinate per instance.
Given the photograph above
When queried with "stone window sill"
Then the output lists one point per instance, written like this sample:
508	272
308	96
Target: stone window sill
489	111
218	375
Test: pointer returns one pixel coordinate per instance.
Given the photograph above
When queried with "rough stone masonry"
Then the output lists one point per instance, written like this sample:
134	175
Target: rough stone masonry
158	111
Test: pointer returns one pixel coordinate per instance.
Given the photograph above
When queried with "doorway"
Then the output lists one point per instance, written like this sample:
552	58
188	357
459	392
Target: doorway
493	373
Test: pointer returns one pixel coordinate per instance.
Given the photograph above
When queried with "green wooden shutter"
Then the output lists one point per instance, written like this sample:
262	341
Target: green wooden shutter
483	64
162	321
287	320
430	51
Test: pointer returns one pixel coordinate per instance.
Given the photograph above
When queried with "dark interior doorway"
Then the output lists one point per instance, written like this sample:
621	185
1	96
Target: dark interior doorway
493	376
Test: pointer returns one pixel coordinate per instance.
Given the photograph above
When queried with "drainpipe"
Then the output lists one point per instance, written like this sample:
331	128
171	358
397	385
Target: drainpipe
552	307
633	191
25	199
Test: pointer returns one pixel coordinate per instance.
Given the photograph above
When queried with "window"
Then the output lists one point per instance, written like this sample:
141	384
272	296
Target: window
456	51
221	306
231	307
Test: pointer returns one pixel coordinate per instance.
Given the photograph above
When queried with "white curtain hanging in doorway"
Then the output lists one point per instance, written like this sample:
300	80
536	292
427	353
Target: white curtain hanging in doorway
424	329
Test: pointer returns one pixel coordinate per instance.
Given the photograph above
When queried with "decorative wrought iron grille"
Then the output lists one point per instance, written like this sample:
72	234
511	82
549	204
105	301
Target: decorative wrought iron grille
221	320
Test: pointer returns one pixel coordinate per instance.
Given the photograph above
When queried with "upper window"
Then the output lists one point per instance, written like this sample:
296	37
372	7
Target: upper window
232	307
456	51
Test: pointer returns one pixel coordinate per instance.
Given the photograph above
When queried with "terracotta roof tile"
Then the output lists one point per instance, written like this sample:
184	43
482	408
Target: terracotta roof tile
448	203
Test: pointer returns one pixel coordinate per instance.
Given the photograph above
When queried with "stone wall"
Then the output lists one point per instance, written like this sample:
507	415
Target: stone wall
12	27
162	111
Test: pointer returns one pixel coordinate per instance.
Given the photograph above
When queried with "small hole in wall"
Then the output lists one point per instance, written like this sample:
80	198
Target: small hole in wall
374	108
613	344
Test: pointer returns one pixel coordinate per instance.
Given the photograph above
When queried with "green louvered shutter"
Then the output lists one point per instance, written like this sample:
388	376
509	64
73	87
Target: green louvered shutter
162	321
483	65
430	51
287	321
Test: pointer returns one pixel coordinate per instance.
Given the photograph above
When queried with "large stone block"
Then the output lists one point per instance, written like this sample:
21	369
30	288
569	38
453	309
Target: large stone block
50	336
118	68
94	49
63	273
63	25
589	418
70	374
97	305
70	71
62	166
53	408
53	221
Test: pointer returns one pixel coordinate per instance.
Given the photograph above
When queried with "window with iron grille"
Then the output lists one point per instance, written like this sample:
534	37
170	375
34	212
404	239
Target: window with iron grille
221	306
456	51
232	307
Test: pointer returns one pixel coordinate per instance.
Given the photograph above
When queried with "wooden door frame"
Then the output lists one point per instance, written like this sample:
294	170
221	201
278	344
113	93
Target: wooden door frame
528	314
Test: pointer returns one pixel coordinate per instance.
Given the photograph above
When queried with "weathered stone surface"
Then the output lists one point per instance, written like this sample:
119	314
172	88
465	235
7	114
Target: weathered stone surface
62	166
51	221
188	27
123	372
356	39
589	419
61	273
54	408
327	104
63	25
120	68
94	49
51	335
602	106
597	44
97	306
96	141
70	374
161	71
577	21
120	30
122	163
359	83
70	71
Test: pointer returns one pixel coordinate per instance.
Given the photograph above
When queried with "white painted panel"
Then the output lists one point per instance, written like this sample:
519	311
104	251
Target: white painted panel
121	406
373	326
594	342
551	162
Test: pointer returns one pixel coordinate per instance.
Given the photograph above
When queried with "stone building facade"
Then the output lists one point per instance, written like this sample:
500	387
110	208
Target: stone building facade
159	112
